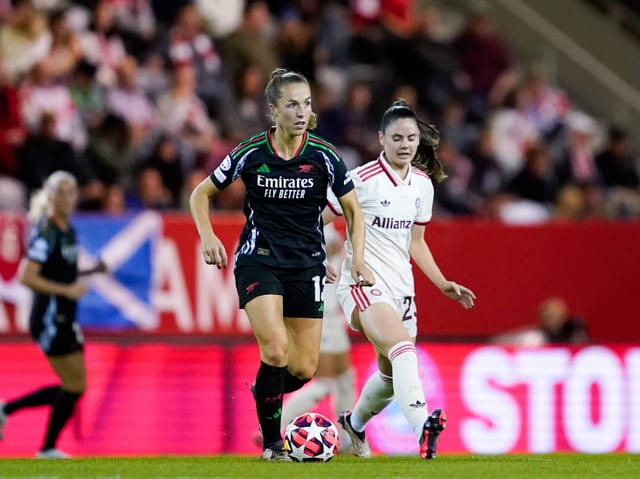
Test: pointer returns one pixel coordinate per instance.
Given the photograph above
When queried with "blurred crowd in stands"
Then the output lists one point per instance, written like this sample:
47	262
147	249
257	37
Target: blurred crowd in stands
141	99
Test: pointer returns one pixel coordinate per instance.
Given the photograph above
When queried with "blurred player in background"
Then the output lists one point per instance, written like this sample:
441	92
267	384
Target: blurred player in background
50	269
396	197
280	261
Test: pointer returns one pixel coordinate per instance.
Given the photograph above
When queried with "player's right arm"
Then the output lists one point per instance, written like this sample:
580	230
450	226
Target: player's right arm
30	276
212	248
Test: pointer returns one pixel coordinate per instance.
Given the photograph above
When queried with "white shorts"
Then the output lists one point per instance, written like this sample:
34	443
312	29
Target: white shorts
335	338
351	296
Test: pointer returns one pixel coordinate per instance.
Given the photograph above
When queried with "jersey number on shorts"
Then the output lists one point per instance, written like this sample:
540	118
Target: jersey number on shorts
317	288
408	310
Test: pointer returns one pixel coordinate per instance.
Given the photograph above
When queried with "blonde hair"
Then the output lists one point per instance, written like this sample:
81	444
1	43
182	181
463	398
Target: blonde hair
273	91
39	202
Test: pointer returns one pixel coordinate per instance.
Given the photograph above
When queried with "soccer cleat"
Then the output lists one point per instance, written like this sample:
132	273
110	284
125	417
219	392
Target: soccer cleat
275	453
359	443
52	453
3	419
433	426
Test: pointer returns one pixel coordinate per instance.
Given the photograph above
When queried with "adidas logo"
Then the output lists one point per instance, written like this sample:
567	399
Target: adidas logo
263	169
418	404
385	203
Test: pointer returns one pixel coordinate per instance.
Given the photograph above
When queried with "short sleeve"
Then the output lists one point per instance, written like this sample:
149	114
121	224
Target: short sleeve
226	172
39	248
425	209
342	183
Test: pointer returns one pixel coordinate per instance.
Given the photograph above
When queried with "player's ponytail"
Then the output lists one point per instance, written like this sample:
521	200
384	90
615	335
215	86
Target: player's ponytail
426	158
39	202
281	77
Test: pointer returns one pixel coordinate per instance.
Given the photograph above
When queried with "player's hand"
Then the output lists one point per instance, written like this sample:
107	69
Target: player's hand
213	252
332	275
76	290
100	267
362	276
459	293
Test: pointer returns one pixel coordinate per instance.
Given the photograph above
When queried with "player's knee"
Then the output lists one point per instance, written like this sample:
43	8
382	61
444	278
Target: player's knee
274	353
78	386
304	370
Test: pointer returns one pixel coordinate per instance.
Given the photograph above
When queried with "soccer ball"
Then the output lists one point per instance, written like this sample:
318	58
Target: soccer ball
311	437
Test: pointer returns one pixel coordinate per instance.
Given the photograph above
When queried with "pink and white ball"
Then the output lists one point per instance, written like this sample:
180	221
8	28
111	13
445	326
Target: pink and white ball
311	437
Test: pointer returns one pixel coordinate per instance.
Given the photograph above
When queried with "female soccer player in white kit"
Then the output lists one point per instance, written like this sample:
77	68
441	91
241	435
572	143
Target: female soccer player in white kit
396	196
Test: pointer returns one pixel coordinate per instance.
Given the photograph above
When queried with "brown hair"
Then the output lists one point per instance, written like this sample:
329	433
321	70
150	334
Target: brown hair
426	158
279	78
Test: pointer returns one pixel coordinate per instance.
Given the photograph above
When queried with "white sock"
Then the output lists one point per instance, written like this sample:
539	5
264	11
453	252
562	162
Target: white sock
407	385
376	394
304	399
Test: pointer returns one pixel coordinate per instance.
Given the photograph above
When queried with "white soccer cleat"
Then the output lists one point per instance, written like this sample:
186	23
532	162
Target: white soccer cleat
52	453
359	443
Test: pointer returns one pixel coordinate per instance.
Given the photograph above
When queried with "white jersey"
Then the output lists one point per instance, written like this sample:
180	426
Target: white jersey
390	206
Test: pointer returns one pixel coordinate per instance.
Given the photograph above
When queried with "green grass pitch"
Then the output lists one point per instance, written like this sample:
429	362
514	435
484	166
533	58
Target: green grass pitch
560	466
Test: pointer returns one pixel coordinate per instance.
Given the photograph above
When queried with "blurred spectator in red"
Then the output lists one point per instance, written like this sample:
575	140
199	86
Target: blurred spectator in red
24	40
41	94
65	49
576	162
127	100
101	43
12	130
484	57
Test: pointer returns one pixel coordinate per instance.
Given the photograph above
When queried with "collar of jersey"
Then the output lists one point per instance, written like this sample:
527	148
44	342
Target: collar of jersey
300	149
392	175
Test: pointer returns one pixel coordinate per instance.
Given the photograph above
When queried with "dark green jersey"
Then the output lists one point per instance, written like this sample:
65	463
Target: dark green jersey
284	198
57	252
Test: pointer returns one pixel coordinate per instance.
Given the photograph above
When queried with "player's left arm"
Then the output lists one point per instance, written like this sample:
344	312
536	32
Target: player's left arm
355	225
422	256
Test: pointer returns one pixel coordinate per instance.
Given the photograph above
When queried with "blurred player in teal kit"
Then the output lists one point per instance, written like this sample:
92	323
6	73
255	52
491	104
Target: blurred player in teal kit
50	269
280	262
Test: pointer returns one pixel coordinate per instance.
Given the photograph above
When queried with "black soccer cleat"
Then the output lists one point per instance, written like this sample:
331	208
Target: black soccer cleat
433	426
